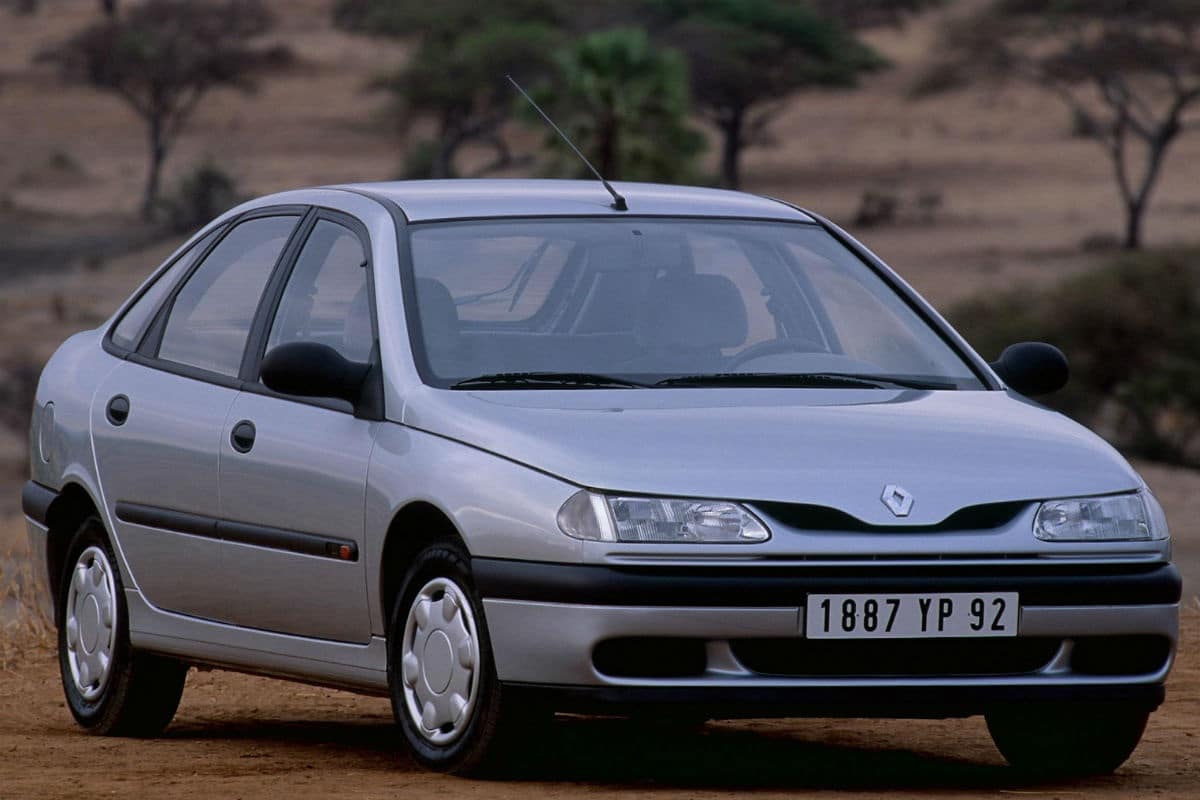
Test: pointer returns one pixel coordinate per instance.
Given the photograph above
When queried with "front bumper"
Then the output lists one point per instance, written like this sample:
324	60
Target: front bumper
35	503
550	625
38	536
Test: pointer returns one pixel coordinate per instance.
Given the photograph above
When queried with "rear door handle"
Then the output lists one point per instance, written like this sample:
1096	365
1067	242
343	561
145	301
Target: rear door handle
117	410
242	436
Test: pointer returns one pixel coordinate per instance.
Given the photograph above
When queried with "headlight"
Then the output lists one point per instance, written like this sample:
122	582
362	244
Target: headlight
1122	517
587	515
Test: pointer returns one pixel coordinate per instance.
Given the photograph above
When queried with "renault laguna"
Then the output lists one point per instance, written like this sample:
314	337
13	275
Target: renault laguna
501	449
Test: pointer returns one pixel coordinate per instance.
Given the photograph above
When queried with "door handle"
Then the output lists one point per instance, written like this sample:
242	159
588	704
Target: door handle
117	410
242	436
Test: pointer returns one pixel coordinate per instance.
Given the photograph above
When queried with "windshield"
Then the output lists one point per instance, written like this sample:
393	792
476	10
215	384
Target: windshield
627	303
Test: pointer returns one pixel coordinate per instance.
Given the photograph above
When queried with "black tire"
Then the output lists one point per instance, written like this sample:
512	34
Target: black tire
488	741
1067	740
141	692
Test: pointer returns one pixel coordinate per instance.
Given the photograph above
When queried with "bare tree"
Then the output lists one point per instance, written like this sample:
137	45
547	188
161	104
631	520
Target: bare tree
1128	70
162	57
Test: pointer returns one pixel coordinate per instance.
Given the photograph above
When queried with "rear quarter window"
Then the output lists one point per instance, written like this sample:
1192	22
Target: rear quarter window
128	332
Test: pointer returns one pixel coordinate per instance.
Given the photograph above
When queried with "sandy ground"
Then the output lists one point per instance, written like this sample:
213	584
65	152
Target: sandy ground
243	737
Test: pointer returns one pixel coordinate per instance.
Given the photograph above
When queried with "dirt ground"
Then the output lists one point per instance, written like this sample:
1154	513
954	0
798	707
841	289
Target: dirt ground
244	737
1018	194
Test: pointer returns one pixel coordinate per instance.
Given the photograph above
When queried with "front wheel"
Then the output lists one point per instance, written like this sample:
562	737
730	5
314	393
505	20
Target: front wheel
1067	740
111	689
445	695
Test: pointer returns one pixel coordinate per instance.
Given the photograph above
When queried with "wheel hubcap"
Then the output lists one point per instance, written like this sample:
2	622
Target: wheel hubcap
91	622
438	661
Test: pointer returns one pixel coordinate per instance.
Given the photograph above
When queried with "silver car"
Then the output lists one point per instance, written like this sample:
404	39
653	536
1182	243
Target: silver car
497	449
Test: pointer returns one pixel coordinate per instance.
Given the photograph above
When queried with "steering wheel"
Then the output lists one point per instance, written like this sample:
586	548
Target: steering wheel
774	347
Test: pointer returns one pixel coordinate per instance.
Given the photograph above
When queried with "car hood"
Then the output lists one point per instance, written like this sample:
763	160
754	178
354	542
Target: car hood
829	447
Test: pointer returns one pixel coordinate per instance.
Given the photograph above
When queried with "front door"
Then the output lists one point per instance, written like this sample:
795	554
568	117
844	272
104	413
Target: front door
293	471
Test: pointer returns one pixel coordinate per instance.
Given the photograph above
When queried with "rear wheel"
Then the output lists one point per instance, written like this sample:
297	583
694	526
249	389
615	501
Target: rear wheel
110	688
445	695
1067	740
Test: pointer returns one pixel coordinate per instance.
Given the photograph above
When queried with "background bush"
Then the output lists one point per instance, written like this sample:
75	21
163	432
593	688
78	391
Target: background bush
1131	330
200	196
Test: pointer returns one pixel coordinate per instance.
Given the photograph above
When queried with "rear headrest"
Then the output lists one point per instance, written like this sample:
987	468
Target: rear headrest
438	314
694	312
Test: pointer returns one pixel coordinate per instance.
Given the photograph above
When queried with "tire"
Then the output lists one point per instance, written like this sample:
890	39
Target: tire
111	689
445	695
1067	740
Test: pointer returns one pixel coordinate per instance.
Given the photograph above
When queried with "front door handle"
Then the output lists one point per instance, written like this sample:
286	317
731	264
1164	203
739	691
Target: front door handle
242	436
117	410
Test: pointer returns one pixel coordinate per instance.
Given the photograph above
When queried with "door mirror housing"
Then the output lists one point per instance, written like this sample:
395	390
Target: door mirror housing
309	369
1033	368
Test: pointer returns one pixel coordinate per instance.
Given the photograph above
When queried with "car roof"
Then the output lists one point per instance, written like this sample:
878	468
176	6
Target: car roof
424	201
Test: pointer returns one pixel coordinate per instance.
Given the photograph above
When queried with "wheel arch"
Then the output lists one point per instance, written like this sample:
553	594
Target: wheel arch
66	513
413	527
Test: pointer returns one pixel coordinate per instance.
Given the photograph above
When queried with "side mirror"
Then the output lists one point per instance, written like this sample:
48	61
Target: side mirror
1033	368
309	369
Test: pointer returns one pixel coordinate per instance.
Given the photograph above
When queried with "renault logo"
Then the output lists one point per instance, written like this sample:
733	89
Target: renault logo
898	501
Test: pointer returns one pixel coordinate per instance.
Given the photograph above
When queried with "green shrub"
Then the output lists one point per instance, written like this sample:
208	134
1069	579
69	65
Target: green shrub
200	196
1131	330
419	160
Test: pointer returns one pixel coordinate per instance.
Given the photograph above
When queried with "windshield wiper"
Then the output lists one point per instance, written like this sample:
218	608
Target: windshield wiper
819	380
542	380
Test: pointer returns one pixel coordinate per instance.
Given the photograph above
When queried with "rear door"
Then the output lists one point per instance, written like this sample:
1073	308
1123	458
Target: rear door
293	470
158	419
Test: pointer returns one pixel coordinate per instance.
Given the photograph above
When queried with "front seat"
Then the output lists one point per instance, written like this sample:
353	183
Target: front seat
689	319
440	329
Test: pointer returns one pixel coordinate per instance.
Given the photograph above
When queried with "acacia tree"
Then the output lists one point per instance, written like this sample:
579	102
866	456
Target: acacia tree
870	13
747	56
460	86
162	57
624	102
455	77
1129	71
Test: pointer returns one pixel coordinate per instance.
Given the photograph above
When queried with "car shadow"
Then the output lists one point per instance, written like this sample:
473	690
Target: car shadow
631	752
728	757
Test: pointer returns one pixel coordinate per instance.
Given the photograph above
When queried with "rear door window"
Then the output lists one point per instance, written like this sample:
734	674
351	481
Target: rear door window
209	323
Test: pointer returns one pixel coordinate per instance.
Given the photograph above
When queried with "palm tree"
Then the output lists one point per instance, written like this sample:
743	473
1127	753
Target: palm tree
625	103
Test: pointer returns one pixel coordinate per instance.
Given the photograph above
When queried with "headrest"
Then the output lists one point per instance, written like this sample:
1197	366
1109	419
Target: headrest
438	314
357	340
694	312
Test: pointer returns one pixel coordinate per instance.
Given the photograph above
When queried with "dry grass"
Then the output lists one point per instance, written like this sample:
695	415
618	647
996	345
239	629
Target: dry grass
24	626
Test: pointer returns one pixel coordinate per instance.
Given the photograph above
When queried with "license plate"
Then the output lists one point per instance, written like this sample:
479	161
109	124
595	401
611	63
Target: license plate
877	616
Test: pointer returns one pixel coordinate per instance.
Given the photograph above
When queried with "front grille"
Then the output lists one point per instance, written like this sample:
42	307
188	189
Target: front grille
804	517
895	657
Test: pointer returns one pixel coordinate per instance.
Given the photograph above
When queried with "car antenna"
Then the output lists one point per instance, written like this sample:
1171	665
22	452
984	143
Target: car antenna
618	201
